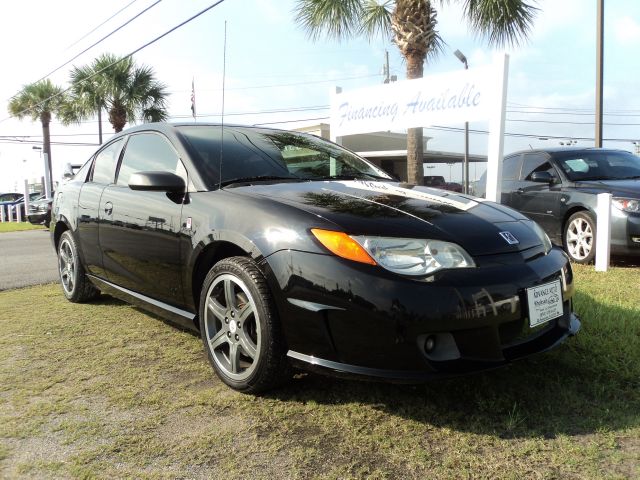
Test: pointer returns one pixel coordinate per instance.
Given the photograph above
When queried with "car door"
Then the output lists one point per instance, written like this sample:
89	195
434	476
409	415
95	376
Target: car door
539	201
103	172
139	229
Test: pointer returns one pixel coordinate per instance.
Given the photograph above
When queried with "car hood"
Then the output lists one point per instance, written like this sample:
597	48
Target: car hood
630	187
401	210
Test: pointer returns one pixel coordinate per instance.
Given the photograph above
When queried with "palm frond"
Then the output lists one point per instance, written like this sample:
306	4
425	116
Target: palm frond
337	19
501	22
376	18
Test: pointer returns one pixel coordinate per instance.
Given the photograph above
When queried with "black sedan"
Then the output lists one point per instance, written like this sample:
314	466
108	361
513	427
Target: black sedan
40	211
558	188
284	250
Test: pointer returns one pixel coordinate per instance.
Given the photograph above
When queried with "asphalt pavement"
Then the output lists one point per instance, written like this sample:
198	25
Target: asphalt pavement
26	258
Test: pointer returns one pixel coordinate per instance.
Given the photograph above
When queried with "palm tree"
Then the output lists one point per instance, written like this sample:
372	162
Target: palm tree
40	101
126	91
412	26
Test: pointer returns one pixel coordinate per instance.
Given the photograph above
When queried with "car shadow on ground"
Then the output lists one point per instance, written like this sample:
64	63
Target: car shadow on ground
585	386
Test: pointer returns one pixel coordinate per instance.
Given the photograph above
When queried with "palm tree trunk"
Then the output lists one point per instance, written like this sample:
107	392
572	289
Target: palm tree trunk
415	144
117	118
45	118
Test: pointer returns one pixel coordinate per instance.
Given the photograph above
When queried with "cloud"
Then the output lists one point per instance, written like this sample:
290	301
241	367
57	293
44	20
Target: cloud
627	31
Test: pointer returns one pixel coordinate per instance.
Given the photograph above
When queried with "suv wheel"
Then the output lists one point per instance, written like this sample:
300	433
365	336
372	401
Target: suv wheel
240	328
580	237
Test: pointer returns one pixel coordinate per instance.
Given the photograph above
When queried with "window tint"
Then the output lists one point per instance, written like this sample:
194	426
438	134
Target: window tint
256	152
536	162
511	167
84	171
104	169
148	152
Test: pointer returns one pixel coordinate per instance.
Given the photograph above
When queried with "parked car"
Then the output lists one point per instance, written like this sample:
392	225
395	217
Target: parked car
285	250
558	188
40	211
437	181
16	200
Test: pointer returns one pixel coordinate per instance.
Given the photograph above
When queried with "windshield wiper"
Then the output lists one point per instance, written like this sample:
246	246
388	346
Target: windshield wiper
257	178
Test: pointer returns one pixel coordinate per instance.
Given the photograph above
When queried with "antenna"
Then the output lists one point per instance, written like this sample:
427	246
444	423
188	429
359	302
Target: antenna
224	68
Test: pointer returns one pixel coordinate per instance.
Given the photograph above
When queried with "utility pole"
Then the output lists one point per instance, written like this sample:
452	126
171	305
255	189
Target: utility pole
386	71
599	72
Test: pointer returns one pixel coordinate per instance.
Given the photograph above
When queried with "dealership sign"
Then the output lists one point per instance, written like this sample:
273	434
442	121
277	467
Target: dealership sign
437	99
449	98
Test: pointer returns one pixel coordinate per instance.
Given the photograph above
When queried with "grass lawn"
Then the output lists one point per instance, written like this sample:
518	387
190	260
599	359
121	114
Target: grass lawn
104	390
18	226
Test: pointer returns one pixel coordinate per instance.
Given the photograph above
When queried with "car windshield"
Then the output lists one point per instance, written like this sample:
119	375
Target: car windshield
254	154
599	165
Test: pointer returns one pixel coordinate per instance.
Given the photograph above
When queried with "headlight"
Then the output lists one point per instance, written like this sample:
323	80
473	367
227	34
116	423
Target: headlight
630	205
542	235
408	256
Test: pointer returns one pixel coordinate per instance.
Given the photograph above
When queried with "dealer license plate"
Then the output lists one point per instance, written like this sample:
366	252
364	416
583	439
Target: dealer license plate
545	303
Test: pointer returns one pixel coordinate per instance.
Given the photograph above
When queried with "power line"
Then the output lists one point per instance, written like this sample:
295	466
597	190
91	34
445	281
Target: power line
112	16
569	123
101	40
193	17
585	114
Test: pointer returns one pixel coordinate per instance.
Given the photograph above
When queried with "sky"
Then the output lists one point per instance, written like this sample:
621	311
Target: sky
276	75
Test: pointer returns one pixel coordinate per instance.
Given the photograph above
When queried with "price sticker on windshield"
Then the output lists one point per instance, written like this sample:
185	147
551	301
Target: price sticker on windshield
545	303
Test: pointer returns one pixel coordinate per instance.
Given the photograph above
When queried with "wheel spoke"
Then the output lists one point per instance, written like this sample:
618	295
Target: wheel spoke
229	294
215	308
218	339
244	313
234	357
248	347
571	236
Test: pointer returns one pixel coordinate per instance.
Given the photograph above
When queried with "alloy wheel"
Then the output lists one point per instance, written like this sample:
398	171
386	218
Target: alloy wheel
67	266
232	327
579	238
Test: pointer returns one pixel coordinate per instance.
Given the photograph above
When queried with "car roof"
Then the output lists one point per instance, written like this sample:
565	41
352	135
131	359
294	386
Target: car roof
554	150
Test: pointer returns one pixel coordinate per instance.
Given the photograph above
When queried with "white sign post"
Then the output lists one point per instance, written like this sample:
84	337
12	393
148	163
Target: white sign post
449	98
603	232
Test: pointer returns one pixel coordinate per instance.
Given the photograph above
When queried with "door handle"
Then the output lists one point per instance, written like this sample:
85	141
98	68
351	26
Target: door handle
519	191
108	208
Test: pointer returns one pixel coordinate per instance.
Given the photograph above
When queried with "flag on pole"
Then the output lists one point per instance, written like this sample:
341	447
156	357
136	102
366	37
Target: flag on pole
193	99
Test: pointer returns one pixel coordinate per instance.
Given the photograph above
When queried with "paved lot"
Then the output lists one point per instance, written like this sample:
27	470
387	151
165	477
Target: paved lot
26	258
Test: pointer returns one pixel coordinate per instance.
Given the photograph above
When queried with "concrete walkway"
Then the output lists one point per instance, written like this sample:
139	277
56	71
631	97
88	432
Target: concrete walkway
26	258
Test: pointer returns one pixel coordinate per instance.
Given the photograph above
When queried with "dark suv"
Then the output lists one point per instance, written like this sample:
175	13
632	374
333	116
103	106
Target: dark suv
558	187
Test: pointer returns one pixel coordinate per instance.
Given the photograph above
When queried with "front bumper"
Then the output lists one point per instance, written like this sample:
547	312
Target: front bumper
355	319
625	233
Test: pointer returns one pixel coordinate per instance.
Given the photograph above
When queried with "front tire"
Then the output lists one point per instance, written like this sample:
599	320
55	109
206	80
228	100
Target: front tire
580	237
75	285
240	329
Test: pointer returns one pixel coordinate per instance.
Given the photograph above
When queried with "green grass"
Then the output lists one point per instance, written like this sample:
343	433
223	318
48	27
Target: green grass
18	226
104	390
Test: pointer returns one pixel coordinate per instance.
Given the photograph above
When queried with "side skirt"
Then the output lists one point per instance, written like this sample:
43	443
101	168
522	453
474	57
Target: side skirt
180	317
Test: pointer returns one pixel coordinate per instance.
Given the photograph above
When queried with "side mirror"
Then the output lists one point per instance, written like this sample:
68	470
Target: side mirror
542	177
157	182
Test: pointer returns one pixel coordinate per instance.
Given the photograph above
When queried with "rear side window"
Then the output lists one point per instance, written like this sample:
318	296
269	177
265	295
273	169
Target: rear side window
104	168
511	167
148	152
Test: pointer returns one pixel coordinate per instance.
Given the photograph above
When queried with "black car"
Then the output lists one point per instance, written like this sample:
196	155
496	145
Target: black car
40	211
558	189
284	250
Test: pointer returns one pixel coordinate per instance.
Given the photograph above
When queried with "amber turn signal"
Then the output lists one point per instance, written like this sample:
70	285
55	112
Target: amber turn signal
343	245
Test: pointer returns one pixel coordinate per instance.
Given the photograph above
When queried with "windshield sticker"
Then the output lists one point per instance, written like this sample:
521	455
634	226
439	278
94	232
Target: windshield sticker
381	187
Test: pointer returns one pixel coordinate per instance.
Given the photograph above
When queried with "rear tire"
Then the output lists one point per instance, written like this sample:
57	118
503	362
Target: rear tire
240	328
579	237
77	288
